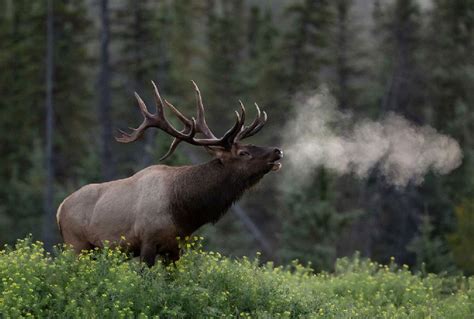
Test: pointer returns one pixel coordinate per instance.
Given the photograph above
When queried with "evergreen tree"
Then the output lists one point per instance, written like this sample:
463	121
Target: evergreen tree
141	29
225	38
461	241
305	43
312	224
450	43
22	37
48	218
75	112
22	175
449	59
183	50
261	73
21	83
347	55
395	212
104	107
432	252
402	43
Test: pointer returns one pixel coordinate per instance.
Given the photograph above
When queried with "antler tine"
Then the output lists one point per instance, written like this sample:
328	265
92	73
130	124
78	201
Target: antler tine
159	100
124	137
142	106
171	149
242	109
178	114
201	118
176	141
259	126
256	125
138	132
230	136
154	120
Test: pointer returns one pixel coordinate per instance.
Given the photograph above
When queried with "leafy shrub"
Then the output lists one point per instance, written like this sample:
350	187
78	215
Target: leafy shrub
108	284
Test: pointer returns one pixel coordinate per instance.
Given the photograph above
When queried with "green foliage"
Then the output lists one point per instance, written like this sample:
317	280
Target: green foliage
462	240
135	24
181	40
22	104
21	31
224	58
451	85
74	110
432	252
306	42
19	211
107	284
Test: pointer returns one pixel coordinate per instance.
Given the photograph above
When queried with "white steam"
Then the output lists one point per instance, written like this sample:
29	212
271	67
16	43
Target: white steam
322	135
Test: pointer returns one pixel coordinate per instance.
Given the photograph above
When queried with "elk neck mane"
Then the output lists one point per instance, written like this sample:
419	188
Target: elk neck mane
203	193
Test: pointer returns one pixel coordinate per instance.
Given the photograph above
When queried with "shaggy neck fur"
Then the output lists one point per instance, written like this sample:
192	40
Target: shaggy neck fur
209	191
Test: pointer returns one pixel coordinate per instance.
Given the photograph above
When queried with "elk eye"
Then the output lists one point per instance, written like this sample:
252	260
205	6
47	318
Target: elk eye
244	153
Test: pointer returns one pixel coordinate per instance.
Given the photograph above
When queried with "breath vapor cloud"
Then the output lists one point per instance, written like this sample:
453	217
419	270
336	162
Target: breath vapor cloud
320	135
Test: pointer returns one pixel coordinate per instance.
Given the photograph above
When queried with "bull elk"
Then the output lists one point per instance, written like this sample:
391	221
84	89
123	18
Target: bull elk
159	203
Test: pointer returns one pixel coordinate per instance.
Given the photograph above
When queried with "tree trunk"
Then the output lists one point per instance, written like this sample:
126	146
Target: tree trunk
399	208
107	164
342	47
48	218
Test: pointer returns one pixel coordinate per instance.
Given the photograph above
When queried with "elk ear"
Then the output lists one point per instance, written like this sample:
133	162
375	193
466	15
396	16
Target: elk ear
217	151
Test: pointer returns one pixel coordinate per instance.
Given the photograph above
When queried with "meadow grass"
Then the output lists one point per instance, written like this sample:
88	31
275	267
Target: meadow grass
108	284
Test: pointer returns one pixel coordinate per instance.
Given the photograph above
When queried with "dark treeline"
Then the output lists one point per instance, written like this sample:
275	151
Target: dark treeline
68	73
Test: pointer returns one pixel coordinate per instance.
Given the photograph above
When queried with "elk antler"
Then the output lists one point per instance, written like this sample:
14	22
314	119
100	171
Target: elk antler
191	127
253	128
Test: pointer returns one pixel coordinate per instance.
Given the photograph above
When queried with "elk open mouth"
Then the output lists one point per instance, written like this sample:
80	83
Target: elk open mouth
275	166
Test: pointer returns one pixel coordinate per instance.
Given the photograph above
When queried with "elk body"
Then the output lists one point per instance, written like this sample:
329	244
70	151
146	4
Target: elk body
159	203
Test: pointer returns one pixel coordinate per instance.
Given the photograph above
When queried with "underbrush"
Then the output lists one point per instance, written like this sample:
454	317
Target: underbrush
108	284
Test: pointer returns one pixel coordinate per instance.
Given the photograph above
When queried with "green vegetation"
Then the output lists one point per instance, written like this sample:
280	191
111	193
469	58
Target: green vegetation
375	57
107	284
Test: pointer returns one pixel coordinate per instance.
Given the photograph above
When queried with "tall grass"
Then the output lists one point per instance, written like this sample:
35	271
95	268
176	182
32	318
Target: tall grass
107	284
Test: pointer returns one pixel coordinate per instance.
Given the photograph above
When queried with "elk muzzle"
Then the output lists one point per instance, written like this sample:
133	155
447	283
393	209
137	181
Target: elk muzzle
277	154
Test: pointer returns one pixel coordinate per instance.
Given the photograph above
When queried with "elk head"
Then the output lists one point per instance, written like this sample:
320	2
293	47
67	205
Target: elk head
251	160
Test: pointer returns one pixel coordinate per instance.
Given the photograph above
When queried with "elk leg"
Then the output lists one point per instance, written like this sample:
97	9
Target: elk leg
171	255
79	245
174	254
148	254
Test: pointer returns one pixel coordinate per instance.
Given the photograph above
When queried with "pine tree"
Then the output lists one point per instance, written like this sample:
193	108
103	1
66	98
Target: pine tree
262	79
404	86
305	43
432	252
225	38
21	83
22	79
183	50
48	218
450	61
348	55
21	35
141	29
461	241
75	112
104	106
312	224
395	212
448	55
